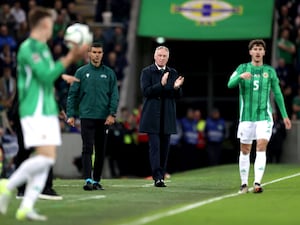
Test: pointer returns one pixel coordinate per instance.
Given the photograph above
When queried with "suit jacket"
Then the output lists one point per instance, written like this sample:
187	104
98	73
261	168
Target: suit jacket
159	102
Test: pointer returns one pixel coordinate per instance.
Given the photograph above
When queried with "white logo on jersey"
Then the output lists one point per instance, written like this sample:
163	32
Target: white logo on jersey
87	75
46	54
103	76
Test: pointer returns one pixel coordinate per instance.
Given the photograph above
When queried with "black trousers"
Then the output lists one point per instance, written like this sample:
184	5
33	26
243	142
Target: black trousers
94	137
159	145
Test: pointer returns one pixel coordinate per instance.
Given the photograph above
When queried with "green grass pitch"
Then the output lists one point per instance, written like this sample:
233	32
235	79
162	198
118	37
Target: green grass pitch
205	196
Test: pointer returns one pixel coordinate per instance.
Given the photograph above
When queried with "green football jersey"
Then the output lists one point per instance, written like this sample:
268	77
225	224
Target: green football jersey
254	93
36	74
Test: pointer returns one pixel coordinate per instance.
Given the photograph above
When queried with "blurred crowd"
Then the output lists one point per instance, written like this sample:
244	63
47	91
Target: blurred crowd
288	53
14	29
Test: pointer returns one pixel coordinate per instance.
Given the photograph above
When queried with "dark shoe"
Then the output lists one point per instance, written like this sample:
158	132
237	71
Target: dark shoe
20	195
243	189
97	186
257	188
50	194
160	183
88	185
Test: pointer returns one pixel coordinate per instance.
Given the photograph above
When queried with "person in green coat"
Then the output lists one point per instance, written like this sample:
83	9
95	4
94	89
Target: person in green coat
95	100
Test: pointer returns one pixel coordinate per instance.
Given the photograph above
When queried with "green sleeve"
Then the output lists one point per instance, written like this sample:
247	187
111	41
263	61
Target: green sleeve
73	96
234	80
41	69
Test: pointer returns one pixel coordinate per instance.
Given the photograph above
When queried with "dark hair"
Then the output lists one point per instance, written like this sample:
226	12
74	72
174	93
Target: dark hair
37	14
97	45
257	42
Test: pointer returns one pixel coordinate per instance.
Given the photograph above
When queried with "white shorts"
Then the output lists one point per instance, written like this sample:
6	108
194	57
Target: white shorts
41	131
249	131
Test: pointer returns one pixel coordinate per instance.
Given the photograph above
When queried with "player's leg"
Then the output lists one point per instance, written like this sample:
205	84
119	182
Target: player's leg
244	166
245	134
263	134
35	183
28	170
259	164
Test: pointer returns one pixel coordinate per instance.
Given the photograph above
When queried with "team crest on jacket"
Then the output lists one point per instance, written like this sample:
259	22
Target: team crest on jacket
87	75
103	76
265	75
36	57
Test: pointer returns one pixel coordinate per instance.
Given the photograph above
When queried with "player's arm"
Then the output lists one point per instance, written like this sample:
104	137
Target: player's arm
234	80
40	67
73	96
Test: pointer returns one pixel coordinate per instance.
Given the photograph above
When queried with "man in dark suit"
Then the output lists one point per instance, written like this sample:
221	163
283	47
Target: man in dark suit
161	86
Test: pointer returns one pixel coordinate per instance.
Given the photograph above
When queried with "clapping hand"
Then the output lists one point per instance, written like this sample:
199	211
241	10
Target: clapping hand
164	79
178	82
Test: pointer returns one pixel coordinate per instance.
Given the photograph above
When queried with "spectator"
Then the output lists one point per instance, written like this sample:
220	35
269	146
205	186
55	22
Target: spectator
58	6
60	25
296	106
8	57
7	18
71	10
6	38
99	36
297	58
7	88
286	49
117	65
200	128
275	146
285	81
189	152
127	163
19	14
215	131
175	159
201	144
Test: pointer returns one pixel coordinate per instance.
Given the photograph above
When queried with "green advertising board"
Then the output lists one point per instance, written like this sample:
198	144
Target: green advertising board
206	19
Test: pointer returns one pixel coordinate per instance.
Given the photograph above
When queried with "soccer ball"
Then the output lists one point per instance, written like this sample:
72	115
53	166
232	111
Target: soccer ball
78	33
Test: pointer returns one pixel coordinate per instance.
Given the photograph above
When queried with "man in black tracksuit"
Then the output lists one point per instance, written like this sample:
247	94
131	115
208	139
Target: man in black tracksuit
95	100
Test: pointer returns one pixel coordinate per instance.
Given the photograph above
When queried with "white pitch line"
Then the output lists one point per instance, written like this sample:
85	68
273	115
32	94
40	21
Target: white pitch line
88	198
158	216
